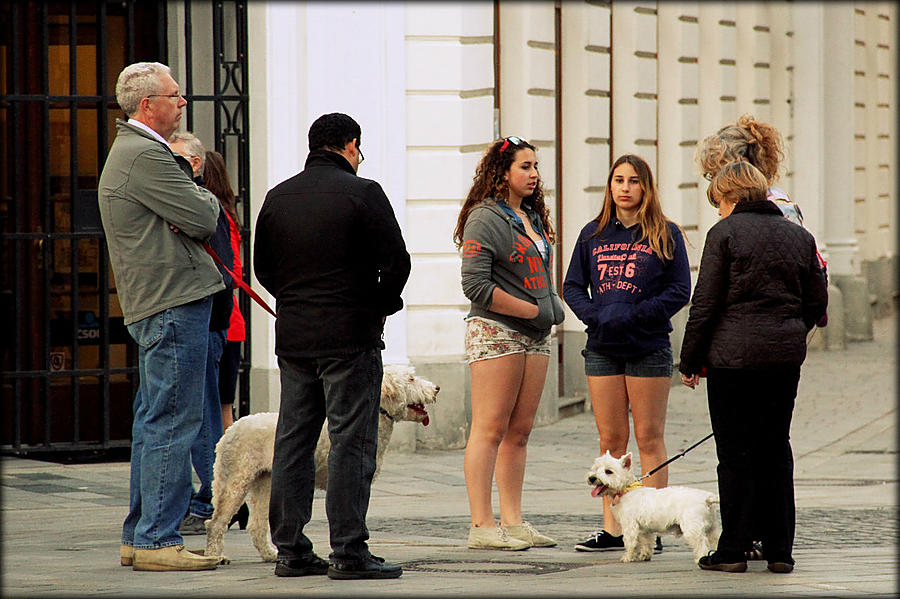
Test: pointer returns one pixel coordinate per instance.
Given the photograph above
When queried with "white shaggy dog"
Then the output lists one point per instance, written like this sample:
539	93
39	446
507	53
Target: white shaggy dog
243	466
644	512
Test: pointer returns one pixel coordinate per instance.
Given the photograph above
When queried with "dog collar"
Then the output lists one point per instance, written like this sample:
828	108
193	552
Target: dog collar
631	487
385	413
635	485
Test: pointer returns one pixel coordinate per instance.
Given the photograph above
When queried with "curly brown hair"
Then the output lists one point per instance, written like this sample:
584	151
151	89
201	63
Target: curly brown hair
653	223
758	143
488	182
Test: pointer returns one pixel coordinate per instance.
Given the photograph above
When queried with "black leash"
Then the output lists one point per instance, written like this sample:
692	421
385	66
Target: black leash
672	459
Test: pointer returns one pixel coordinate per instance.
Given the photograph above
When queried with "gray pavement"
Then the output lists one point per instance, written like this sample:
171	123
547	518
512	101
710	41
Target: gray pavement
61	523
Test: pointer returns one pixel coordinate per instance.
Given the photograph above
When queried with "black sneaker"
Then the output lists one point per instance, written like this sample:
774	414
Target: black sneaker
371	567
192	525
601	541
716	561
309	565
657	549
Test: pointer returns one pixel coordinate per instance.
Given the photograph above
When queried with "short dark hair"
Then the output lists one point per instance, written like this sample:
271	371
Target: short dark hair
333	131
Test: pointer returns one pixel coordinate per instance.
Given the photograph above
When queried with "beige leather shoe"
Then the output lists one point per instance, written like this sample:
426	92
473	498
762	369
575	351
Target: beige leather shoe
494	537
126	555
170	559
527	532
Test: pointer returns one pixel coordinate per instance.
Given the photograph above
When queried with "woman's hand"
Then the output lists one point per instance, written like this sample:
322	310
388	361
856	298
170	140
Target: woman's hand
690	381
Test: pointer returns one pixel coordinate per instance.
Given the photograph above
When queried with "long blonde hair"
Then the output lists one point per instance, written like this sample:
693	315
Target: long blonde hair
653	223
488	183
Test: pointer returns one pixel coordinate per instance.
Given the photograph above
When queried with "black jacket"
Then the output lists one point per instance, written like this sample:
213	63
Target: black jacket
329	249
759	291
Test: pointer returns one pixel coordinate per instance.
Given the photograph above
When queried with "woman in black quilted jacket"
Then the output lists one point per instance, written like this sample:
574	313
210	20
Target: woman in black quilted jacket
759	291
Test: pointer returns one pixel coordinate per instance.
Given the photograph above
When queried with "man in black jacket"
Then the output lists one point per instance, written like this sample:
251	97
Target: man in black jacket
329	249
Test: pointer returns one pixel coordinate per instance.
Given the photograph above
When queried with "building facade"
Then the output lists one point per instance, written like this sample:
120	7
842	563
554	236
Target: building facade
433	83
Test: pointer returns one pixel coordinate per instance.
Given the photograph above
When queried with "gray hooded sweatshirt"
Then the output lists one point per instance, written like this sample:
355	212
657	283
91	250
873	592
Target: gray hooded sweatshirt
497	252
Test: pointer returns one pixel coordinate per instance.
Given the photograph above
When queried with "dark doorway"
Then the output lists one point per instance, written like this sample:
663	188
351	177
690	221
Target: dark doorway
68	364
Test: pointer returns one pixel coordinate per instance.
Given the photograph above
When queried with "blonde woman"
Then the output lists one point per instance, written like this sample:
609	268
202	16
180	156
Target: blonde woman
506	238
628	276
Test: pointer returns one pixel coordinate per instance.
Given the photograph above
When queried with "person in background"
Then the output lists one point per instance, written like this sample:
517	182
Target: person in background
761	145
506	238
629	274
216	179
329	249
203	450
759	291
155	219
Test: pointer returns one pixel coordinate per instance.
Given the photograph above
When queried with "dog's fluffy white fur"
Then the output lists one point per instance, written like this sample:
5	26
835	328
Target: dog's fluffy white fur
644	512
243	465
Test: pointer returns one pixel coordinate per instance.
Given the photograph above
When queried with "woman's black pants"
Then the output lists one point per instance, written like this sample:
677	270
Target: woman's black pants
750	412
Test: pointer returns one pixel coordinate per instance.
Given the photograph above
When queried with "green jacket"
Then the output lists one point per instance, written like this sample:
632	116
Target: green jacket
142	191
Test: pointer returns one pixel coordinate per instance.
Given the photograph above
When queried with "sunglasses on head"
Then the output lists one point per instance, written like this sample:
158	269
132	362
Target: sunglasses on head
512	139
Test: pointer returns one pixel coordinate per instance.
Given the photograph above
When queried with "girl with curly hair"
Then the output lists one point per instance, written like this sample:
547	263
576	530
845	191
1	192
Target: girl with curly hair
506	238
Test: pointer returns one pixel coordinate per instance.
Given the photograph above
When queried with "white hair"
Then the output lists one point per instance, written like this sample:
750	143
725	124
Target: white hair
192	144
136	82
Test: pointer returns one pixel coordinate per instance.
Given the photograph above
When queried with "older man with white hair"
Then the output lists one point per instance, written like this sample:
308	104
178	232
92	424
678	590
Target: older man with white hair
156	219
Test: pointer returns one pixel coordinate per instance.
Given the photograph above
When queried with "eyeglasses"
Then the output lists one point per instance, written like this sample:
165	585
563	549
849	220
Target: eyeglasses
175	95
512	139
361	157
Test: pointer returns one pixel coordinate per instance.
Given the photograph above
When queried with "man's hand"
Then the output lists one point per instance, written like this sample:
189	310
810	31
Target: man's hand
174	229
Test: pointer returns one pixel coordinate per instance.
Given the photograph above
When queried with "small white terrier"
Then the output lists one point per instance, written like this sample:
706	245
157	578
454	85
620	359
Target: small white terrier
643	512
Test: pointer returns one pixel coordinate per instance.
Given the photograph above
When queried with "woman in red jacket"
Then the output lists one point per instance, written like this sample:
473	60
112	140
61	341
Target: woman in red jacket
215	177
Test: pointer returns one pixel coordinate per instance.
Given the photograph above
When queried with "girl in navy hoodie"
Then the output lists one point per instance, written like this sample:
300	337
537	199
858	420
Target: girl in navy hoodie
628	276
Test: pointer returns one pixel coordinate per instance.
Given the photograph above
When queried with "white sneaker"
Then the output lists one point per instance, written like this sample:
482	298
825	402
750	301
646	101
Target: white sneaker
527	532
483	537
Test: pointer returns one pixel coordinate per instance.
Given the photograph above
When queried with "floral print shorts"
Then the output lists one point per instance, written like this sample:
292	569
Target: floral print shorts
491	339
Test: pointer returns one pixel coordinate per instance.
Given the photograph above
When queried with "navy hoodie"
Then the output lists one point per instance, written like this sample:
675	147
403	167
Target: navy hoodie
623	292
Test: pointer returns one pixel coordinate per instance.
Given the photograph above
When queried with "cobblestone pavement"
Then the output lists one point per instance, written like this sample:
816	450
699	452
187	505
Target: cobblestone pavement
61	523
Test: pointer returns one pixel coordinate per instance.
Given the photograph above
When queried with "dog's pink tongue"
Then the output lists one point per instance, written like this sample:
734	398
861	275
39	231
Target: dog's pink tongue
425	422
595	492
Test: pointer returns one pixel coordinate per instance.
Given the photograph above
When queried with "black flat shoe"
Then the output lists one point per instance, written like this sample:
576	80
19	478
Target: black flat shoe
371	567
781	564
716	561
310	565
241	517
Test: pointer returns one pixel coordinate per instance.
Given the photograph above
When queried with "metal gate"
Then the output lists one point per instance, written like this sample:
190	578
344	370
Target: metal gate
68	364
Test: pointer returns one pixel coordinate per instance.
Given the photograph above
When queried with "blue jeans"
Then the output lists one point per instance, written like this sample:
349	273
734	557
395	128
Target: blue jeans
347	390
203	451
168	411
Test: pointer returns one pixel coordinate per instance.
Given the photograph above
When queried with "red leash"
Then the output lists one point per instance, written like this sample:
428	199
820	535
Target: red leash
240	283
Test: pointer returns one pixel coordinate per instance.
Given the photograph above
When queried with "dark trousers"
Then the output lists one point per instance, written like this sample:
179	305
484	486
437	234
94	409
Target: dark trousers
751	411
346	390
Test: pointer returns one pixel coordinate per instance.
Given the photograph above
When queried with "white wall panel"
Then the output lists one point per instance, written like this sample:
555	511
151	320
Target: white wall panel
431	228
436	332
438	282
440	174
449	19
439	65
